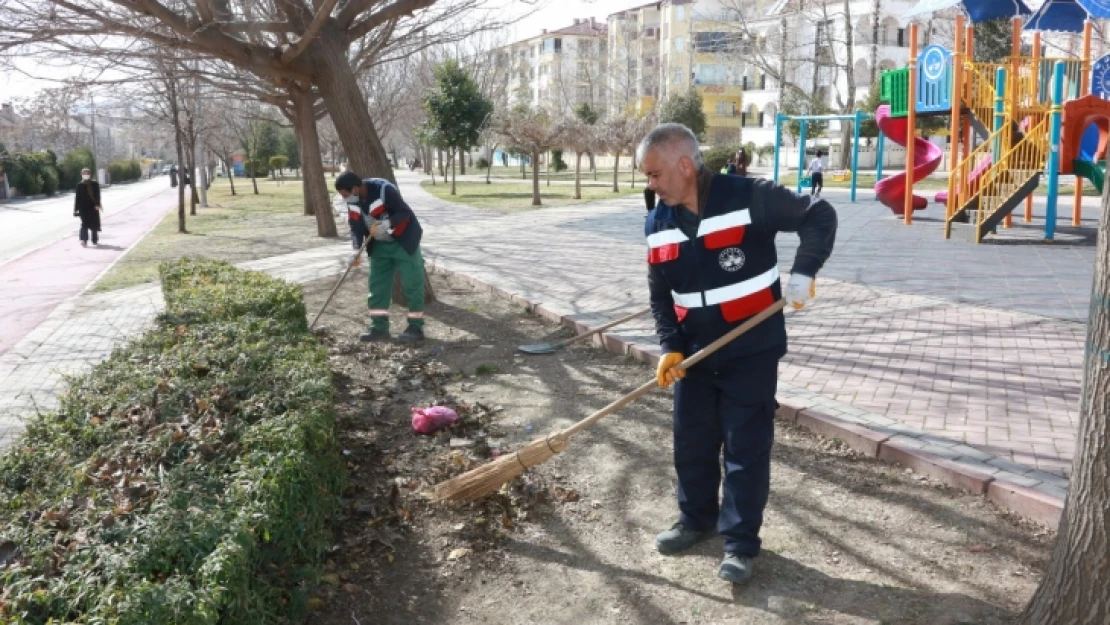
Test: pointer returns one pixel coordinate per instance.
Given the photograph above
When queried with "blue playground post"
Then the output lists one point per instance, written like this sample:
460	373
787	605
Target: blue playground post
855	151
801	155
1054	151
778	142
999	109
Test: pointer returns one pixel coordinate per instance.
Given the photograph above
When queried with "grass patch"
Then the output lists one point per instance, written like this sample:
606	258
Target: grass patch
512	196
487	369
234	228
189	478
604	174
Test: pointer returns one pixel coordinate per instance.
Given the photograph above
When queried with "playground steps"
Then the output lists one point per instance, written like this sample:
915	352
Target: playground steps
971	229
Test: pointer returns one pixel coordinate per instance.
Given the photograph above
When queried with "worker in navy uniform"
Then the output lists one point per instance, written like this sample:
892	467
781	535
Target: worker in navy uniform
712	265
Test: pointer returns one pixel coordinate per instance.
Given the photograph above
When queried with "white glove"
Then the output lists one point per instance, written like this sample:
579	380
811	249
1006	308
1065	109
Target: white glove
799	290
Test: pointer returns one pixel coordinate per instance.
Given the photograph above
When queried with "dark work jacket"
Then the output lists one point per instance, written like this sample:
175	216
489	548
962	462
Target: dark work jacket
708	272
85	201
384	198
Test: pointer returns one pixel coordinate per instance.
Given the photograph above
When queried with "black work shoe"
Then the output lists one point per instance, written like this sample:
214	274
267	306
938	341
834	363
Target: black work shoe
374	336
412	334
679	538
736	568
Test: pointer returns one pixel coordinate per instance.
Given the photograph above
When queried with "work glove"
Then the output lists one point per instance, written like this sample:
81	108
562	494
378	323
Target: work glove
379	230
666	374
799	290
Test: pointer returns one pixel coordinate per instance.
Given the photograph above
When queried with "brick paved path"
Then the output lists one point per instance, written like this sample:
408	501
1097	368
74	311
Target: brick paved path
994	389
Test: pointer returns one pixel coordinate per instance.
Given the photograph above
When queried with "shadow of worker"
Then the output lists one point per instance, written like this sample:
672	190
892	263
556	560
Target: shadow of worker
800	594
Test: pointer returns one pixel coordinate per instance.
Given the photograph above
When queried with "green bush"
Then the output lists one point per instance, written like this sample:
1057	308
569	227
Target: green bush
125	171
188	479
71	166
716	157
557	161
482	163
49	180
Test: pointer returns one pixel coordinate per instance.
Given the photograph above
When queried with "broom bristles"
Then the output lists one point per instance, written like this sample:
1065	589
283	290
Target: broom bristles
487	479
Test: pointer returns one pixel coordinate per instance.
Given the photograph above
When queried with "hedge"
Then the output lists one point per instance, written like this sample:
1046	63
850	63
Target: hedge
188	479
32	173
72	163
125	171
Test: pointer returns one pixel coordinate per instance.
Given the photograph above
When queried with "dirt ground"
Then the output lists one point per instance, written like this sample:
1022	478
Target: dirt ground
847	539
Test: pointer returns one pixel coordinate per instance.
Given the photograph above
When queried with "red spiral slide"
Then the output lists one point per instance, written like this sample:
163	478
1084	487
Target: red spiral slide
926	158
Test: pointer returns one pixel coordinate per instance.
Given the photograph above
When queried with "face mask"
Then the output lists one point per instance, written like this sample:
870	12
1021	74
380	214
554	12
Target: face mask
85	176
352	199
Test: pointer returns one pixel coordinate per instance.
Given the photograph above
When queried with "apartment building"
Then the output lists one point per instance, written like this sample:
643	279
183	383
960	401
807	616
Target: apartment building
559	69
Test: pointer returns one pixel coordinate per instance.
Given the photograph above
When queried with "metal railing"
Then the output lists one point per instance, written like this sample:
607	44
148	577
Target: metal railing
1013	170
966	186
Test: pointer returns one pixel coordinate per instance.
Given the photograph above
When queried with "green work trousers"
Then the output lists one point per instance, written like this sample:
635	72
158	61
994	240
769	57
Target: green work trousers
387	257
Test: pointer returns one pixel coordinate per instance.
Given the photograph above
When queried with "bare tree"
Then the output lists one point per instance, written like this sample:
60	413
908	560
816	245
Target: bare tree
582	138
621	134
325	44
532	131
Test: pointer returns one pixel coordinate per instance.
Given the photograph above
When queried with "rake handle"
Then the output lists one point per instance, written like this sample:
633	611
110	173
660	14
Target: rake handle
350	265
702	354
575	339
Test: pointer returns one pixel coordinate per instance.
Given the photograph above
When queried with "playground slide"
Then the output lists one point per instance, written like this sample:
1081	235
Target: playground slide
984	165
926	157
1095	172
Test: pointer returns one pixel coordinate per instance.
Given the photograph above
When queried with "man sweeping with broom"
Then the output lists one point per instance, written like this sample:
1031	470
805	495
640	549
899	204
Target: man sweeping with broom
395	247
712	265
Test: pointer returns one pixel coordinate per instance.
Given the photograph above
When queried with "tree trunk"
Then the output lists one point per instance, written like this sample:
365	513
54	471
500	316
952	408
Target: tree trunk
346	104
453	173
846	144
462	168
616	171
633	185
1073	591
230	176
548	167
312	163
577	175
535	179
175	111
439	162
254	181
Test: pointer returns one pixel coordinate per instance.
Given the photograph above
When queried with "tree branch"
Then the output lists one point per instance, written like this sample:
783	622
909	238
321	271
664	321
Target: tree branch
397	10
322	15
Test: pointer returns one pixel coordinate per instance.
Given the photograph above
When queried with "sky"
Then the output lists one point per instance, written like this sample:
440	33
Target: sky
555	14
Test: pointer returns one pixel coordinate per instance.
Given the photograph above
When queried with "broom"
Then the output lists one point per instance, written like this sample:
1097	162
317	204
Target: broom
488	478
350	265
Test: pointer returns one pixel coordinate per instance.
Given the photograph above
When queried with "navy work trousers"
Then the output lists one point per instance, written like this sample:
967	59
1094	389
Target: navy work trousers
730	408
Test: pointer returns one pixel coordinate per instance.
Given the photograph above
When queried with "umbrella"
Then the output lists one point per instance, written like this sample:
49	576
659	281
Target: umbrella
1058	16
1098	9
978	10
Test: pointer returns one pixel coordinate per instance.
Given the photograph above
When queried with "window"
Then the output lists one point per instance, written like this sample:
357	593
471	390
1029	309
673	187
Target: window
901	37
552	46
583	94
583	71
679	44
680	13
585	48
677	78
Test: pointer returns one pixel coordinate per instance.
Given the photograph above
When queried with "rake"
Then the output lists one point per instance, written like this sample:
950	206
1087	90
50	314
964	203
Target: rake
354	259
547	348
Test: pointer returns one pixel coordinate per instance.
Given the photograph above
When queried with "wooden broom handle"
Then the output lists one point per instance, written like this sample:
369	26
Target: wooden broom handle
603	328
682	366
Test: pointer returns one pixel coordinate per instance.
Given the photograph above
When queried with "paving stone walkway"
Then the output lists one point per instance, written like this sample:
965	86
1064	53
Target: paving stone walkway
941	361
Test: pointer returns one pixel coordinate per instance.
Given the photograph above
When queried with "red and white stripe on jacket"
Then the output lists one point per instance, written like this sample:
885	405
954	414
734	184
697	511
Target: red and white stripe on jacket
663	246
737	301
724	230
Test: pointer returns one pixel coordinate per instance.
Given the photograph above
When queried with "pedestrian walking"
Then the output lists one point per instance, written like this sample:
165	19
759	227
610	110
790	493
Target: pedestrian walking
816	175
712	264
86	205
742	160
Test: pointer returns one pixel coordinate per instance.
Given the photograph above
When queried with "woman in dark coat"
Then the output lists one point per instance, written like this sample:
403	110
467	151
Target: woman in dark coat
86	205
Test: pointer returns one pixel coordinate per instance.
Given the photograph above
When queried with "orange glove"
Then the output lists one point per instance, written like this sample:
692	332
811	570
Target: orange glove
666	374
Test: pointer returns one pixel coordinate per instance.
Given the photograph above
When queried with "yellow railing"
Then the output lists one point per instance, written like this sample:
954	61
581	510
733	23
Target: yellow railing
1013	170
966	187
1023	87
979	91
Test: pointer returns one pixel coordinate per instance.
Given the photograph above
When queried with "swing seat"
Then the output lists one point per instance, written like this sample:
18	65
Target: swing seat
806	181
842	176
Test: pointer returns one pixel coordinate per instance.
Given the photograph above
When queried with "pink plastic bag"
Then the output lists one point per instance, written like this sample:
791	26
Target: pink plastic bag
430	420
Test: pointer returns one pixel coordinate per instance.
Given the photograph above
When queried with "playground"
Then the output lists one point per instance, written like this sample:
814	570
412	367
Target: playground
1015	127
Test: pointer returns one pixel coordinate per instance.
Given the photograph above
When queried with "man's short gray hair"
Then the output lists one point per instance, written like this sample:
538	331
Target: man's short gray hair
675	138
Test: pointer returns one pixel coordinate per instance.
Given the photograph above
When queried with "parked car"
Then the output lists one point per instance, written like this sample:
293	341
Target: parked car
166	169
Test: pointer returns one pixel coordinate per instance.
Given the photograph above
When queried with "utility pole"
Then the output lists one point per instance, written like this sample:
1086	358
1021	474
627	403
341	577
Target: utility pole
92	137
